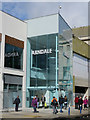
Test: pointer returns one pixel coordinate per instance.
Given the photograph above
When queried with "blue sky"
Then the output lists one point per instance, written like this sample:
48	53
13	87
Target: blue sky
75	13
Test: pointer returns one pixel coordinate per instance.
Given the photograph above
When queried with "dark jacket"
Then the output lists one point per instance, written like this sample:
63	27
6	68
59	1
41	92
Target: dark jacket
43	99
80	101
37	99
17	101
61	100
54	102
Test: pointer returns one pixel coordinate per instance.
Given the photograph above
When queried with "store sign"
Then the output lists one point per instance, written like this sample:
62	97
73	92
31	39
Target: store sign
42	51
13	54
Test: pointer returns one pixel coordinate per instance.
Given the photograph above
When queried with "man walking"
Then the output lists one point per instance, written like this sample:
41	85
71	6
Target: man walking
17	102
54	104
80	102
61	101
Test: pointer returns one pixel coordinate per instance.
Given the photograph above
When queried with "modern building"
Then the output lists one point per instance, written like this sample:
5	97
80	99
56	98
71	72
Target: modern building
49	58
39	57
81	60
13	37
82	33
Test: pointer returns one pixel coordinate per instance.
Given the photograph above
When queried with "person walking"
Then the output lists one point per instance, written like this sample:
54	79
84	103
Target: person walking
43	99
76	102
61	101
16	102
37	101
54	104
80	102
65	102
34	104
85	101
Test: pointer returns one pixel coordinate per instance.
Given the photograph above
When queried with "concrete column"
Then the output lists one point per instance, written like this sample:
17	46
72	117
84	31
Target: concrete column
24	92
28	73
24	76
1	71
1	91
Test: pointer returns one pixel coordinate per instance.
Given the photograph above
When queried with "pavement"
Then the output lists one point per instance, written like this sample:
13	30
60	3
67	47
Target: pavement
43	114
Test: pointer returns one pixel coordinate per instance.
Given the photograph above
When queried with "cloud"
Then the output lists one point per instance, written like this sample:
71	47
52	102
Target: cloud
15	9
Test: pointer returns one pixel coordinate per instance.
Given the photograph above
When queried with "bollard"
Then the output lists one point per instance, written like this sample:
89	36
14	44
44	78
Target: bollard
80	109
69	110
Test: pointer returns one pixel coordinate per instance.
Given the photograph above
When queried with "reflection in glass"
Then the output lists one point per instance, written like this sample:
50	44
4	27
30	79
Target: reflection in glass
13	57
65	59
43	60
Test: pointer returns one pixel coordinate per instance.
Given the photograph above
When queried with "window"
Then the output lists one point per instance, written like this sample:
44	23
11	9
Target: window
5	86
13	56
43	60
12	87
20	87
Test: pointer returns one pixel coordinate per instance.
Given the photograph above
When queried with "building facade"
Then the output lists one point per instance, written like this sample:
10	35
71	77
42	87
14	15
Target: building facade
12	60
47	42
81	60
49	60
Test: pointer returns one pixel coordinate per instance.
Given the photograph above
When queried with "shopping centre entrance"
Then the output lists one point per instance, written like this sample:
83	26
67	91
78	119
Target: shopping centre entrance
47	93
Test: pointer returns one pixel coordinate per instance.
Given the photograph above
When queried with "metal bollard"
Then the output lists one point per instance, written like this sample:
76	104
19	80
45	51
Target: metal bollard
69	110
80	109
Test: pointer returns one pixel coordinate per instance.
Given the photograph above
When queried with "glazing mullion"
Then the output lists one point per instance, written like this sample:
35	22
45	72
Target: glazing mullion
36	59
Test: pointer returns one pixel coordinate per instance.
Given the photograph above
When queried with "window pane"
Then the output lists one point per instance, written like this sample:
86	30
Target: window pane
43	60
12	87
13	57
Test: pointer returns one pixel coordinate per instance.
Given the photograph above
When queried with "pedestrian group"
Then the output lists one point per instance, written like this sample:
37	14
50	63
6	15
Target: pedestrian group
62	103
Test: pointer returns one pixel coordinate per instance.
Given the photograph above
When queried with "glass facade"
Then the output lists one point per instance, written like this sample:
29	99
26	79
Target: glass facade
43	60
65	59
13	56
50	68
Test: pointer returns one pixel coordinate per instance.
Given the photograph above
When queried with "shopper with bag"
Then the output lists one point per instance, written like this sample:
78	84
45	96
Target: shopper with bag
54	104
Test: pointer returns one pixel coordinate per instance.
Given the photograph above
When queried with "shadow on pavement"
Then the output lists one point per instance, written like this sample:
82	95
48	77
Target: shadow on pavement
84	117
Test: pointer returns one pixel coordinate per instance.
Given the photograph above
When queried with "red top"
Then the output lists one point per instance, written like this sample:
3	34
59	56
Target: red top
76	100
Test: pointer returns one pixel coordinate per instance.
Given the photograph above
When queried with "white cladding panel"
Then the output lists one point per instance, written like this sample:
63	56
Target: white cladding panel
0	22
0	54
43	25
12	26
80	70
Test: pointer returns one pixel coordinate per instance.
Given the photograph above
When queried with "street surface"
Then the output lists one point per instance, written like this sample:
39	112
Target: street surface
45	114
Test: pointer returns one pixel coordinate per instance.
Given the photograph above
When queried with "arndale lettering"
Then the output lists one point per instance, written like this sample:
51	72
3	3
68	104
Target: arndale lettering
42	51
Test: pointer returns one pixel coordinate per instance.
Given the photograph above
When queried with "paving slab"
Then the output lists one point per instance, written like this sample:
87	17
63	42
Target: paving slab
43	113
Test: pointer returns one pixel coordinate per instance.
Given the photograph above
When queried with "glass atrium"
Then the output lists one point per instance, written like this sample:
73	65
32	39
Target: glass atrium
49	70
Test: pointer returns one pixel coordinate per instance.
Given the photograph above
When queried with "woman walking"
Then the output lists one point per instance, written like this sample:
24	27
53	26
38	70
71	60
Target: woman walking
34	104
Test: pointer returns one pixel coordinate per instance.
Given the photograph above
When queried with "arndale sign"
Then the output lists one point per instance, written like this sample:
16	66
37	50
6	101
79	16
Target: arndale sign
42	51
